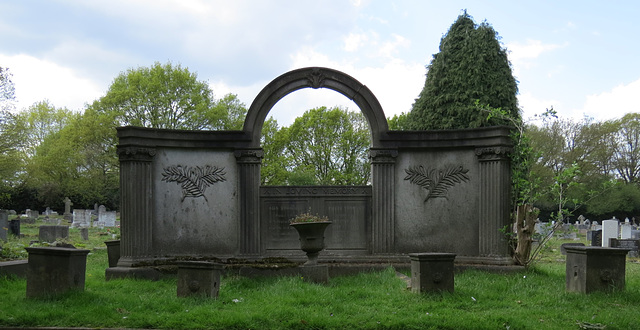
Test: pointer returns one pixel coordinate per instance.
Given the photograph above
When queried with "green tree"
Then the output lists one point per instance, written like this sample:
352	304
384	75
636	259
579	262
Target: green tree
626	156
160	96
7	90
470	67
40	120
399	122
323	146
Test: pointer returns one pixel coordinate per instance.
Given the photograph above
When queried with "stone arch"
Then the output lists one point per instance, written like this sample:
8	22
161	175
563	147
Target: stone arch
315	77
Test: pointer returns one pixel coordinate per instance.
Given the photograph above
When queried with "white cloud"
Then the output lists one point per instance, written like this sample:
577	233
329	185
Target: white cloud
37	80
521	55
390	48
612	104
532	106
354	41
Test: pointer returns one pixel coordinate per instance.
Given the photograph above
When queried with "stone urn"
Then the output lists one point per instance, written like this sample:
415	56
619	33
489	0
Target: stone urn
311	238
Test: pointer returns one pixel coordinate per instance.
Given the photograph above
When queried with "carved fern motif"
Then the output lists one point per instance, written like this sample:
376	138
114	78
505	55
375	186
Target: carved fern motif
193	180
436	182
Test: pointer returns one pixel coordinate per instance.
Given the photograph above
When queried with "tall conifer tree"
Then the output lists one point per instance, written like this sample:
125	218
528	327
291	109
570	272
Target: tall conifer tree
471	66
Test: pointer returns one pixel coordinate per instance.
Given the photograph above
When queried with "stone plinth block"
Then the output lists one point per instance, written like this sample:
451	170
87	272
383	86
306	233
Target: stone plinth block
113	252
54	270
199	278
432	272
315	273
51	233
591	268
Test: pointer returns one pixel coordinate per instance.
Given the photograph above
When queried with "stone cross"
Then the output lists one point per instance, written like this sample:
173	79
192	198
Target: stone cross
67	205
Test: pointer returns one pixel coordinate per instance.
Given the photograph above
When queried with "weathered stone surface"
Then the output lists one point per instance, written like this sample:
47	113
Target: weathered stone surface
432	272
233	218
50	233
199	278
54	270
590	269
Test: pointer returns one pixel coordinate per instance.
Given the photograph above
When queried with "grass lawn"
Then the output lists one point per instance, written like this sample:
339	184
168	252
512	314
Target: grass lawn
533	299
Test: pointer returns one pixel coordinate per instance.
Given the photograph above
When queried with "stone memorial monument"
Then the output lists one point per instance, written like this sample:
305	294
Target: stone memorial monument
223	212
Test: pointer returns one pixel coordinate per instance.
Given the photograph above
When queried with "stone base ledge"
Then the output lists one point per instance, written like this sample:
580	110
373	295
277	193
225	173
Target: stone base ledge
14	267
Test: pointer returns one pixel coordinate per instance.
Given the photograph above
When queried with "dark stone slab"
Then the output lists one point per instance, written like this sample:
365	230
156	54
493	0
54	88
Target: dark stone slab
14	227
590	269
142	273
596	238
4	225
54	270
432	272
199	278
16	267
49	233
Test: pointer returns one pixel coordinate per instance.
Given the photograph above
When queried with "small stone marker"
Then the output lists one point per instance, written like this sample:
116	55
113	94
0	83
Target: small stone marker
4	225
432	272
199	278
596	238
107	218
591	268
113	252
84	233
14	227
54	270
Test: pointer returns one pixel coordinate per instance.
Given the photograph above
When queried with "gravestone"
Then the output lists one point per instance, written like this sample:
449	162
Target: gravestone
47	211
14	226
609	231
84	233
81	218
107	218
12	212
67	210
50	234
4	225
633	245
596	237
101	209
625	230
635	234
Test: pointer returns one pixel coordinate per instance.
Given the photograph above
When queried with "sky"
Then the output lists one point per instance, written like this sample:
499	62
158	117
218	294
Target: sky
579	57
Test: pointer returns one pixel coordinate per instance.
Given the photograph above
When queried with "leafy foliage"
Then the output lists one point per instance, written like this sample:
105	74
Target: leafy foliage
471	65
324	146
193	180
436	182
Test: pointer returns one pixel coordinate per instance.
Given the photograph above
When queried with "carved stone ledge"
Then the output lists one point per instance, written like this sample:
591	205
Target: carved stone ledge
140	154
383	156
493	153
249	156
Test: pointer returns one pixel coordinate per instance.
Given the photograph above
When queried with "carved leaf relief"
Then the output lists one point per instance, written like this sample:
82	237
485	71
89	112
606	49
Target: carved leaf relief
436	182
193	180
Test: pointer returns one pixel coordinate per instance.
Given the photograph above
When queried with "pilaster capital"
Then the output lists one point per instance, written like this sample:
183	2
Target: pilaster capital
249	156
493	153
383	156
133	153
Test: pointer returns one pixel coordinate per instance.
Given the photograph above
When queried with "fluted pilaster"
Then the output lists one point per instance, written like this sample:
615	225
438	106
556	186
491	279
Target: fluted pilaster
249	161
383	163
136	204
495	189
